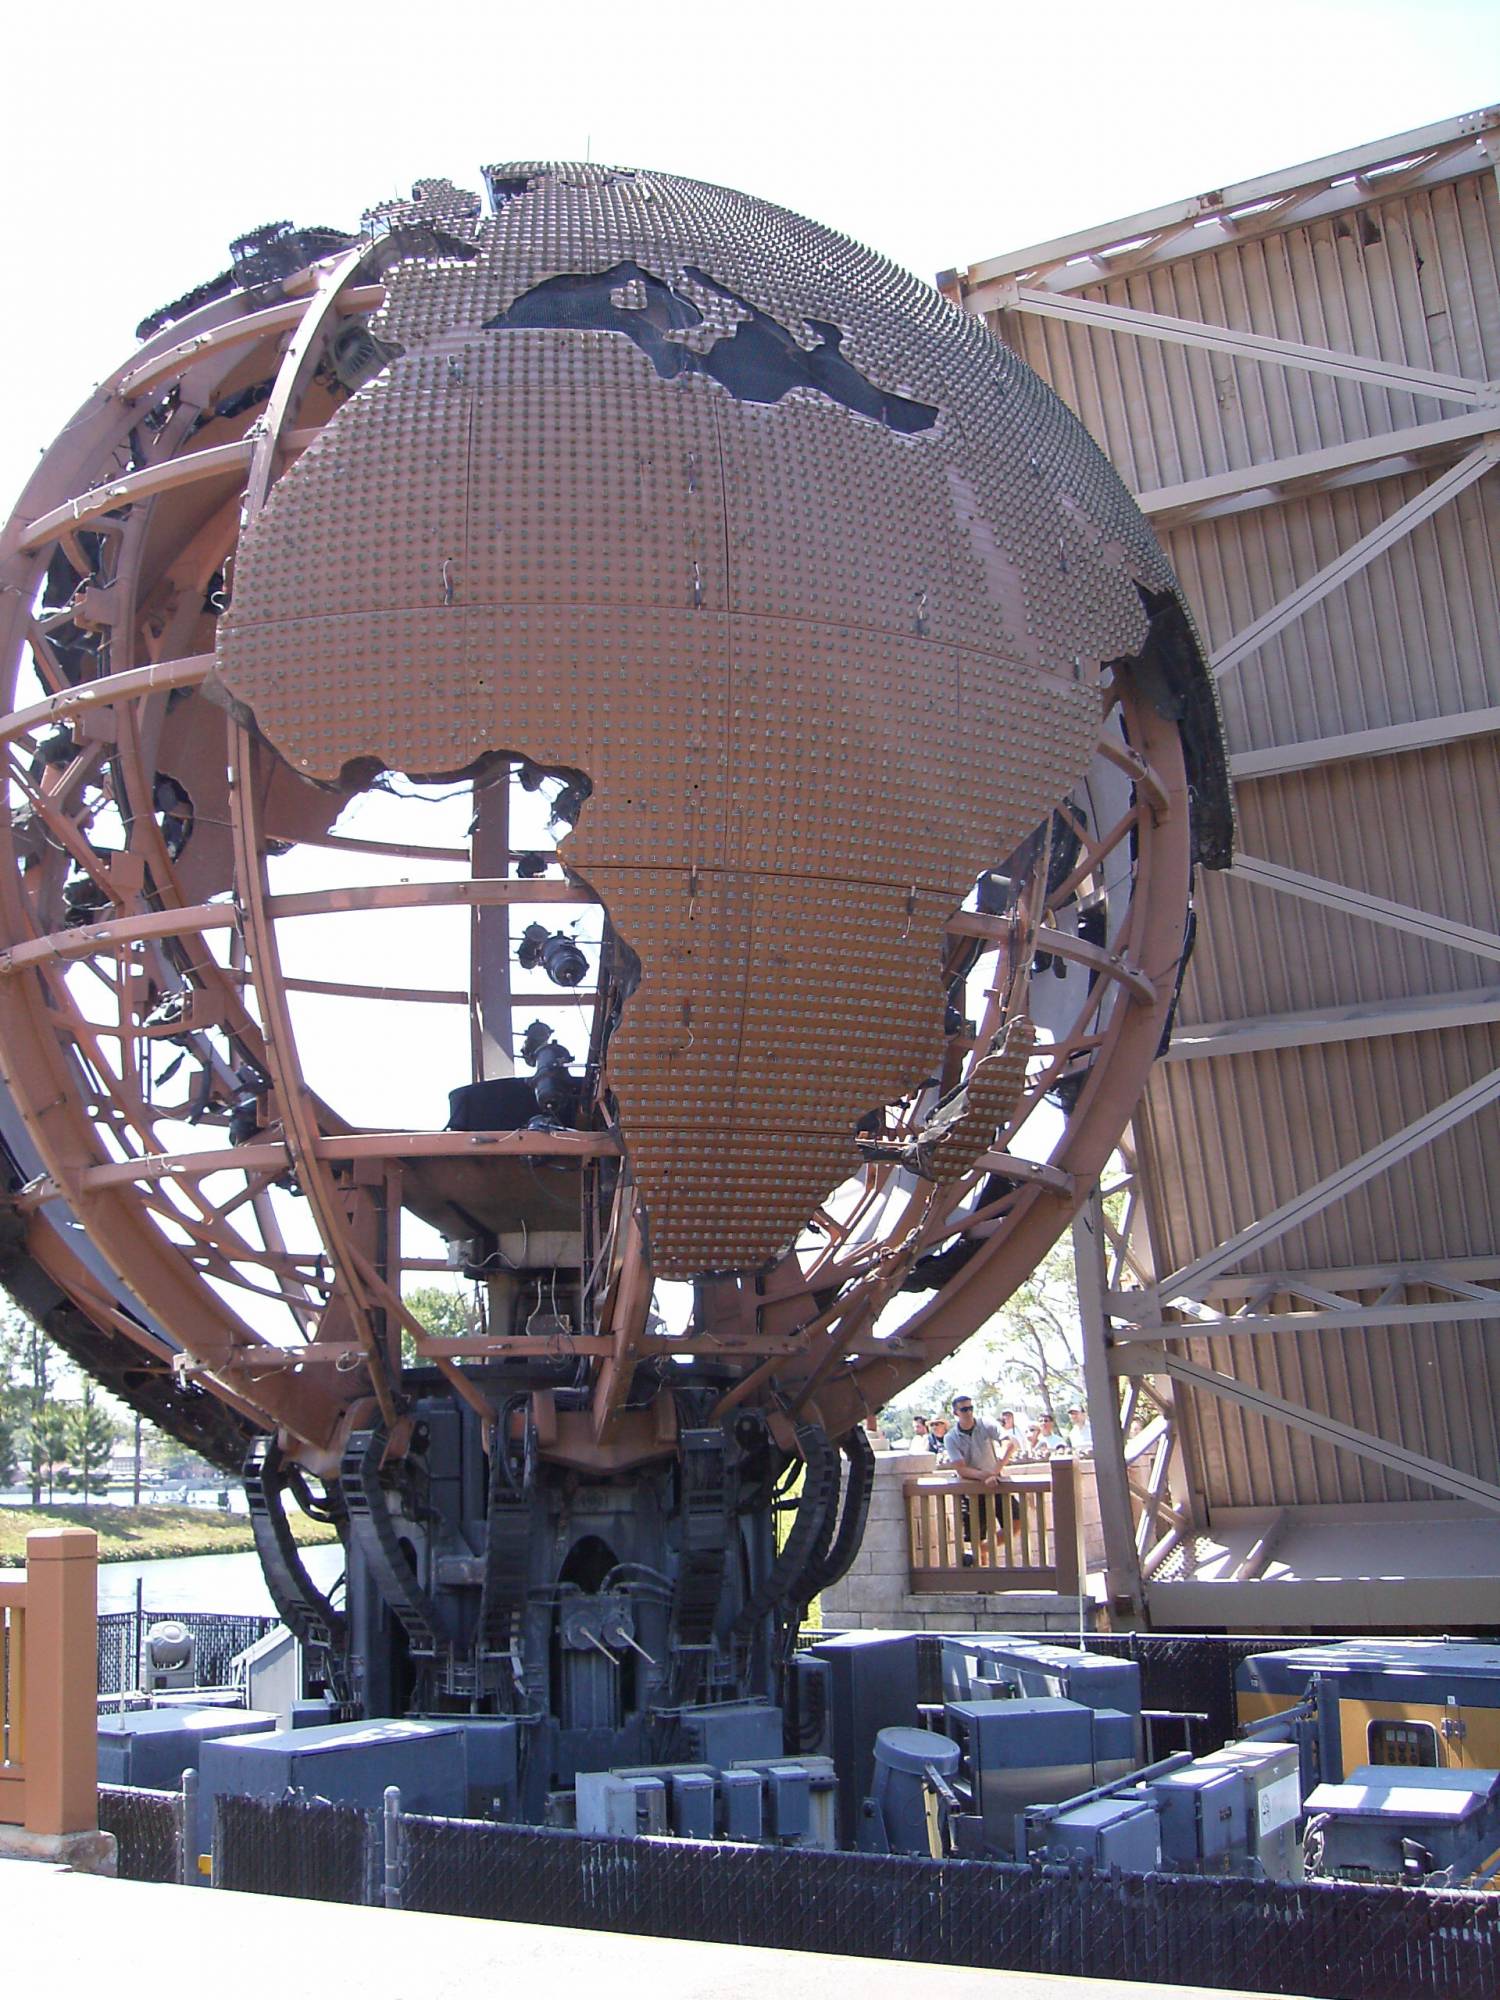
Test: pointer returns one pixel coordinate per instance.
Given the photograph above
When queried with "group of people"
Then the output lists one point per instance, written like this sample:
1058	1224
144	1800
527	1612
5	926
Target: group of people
977	1452
972	1446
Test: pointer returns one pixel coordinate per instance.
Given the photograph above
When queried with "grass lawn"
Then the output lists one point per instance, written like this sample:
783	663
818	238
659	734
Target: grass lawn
134	1534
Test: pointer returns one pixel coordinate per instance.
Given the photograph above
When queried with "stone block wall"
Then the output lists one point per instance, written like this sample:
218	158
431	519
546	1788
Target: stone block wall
876	1594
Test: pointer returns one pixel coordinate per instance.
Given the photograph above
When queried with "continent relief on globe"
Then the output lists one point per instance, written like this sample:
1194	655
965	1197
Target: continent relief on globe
821	621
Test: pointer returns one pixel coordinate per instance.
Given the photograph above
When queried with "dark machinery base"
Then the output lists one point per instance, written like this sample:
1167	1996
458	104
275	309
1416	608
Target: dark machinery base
596	1610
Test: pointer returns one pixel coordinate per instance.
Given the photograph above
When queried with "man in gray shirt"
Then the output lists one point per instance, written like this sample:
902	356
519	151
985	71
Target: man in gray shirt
974	1449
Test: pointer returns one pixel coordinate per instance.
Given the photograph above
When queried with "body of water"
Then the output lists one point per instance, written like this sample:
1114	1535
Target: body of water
177	1495
206	1583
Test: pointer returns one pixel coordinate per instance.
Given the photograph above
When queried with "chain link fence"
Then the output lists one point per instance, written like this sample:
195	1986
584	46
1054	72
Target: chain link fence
148	1829
1338	1939
1341	1940
296	1847
217	1637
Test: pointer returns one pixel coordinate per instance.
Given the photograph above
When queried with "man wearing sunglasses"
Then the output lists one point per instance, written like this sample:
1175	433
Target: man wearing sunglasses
976	1451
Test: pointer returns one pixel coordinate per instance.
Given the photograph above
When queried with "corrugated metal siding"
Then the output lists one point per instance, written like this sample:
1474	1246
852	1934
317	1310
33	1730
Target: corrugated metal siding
1420	829
1415	635
1233	1138
1412	1386
1424	291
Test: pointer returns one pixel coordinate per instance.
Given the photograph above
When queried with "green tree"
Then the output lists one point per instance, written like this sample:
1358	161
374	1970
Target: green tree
39	1427
23	1381
1027	1358
12	1421
34	1373
1037	1340
48	1435
446	1314
89	1432
15	1402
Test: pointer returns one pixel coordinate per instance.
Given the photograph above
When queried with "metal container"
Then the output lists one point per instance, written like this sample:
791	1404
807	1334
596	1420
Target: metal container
1273	1803
1022	1753
154	1746
1204	1819
901	1816
1111	1833
1404	1824
974	1667
873	1686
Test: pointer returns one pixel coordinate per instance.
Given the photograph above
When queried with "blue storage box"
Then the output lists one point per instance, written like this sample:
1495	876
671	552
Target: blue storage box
1111	1833
349	1763
1203	1810
154	1746
1021	1753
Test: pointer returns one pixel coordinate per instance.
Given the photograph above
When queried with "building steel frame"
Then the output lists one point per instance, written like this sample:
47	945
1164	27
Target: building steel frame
1145	1323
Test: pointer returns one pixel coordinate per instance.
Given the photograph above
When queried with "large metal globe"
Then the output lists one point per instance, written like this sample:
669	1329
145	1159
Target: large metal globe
805	581
877	750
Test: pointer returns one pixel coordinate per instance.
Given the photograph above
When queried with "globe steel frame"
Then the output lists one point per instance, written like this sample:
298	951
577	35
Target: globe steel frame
1134	1312
80	1090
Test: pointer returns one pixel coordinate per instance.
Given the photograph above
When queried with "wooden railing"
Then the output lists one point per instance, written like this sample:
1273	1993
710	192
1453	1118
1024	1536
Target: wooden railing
1023	1535
48	1677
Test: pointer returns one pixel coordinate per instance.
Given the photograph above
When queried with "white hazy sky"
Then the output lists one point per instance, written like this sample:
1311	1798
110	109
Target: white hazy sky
138	141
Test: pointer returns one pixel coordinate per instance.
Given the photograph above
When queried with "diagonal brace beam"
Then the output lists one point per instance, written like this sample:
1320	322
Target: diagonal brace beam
1395	739
1272	482
1327	1430
1349	902
1224	340
1193	1279
1441	1312
1338	572
1358	1021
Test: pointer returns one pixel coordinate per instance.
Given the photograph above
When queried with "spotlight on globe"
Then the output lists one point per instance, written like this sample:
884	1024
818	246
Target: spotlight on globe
602	751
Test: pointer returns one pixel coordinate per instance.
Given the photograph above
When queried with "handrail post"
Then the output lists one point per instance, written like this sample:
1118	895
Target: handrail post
394	1857
61	1721
1067	1528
